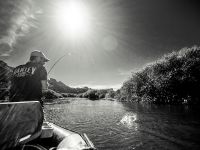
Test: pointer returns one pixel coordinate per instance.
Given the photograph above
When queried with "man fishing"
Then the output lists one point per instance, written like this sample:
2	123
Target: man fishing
29	81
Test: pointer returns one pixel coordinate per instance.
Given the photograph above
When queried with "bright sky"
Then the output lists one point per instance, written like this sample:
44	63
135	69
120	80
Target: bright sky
105	40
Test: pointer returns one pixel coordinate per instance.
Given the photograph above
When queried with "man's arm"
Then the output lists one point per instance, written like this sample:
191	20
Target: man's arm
43	78
44	86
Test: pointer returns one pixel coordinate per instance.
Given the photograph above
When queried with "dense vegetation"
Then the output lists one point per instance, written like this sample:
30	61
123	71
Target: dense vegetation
95	94
85	92
173	79
92	94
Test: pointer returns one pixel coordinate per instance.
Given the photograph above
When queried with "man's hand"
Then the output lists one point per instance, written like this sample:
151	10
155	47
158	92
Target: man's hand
44	85
44	91
44	88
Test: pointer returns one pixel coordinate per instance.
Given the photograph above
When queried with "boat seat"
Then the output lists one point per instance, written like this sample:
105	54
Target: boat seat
20	122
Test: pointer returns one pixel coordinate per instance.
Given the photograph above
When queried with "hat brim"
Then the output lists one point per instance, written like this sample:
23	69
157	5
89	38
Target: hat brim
44	59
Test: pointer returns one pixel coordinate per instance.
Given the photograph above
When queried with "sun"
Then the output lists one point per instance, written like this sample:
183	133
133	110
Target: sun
72	18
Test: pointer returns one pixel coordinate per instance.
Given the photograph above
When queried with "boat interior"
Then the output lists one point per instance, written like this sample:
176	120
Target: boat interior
22	127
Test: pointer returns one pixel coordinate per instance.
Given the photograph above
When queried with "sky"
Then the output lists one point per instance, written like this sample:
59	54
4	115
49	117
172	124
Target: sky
113	39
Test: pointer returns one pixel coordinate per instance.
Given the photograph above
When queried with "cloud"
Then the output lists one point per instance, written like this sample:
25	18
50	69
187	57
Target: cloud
17	17
5	49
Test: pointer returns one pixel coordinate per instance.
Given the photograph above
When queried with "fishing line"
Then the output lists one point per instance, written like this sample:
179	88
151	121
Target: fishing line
56	62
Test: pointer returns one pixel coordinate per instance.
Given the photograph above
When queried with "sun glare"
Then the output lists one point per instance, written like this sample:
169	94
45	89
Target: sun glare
72	18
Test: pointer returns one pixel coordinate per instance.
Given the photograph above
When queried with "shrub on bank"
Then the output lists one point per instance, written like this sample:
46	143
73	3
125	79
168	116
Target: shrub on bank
110	94
173	79
91	94
94	94
69	95
52	95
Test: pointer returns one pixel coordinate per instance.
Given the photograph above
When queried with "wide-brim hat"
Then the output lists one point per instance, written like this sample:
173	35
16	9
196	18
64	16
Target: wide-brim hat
38	53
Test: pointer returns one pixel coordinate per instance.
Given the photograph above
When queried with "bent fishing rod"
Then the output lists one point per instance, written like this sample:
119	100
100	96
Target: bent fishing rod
56	62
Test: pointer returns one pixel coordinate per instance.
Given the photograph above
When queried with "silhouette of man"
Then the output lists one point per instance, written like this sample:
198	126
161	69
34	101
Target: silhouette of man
29	81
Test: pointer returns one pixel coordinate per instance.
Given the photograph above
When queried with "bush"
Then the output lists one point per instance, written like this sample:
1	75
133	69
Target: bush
69	95
94	94
110	94
173	79
52	95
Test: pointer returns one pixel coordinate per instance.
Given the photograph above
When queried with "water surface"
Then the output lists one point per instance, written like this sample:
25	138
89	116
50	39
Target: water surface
114	125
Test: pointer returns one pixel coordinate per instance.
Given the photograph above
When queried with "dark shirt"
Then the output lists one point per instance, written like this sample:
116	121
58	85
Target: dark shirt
26	82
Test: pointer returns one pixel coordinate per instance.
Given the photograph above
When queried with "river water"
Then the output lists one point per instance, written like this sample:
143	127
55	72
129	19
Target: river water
114	125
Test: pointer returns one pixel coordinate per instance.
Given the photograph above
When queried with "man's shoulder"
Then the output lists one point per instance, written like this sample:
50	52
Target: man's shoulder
24	65
20	66
41	70
41	67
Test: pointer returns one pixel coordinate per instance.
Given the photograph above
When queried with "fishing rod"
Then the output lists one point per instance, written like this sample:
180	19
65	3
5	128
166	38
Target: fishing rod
56	62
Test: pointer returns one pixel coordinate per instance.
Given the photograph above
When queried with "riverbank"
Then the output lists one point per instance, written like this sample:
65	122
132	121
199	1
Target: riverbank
71	99
173	79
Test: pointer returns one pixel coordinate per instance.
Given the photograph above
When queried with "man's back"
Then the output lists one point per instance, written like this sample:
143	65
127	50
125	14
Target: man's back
26	82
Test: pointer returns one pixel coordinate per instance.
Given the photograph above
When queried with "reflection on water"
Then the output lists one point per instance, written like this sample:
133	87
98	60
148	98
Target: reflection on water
129	120
125	126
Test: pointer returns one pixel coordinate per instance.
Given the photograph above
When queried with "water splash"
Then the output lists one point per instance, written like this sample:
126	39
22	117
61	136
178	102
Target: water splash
129	120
